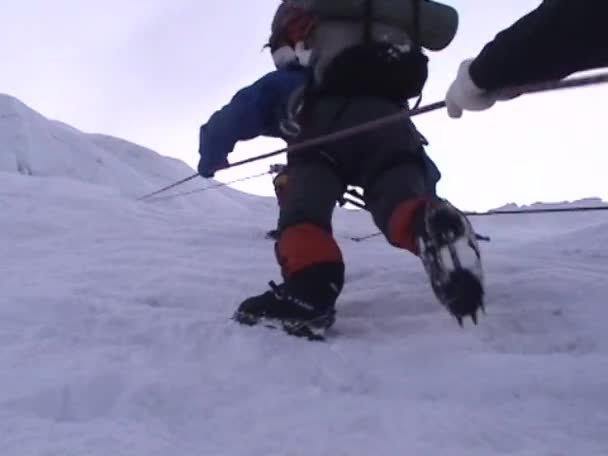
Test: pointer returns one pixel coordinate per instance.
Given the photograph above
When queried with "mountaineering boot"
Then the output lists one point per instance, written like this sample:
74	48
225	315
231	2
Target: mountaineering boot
303	306
448	248
276	309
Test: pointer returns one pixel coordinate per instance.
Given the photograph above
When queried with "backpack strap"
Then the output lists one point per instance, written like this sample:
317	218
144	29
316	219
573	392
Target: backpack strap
416	35
416	40
368	17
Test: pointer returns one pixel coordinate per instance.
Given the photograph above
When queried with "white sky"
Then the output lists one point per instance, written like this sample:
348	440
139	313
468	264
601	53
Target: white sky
151	71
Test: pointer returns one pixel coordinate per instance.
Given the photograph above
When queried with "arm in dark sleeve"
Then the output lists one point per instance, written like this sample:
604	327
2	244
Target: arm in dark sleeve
557	39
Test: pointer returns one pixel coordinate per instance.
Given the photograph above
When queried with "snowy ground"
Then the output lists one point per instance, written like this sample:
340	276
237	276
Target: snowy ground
115	336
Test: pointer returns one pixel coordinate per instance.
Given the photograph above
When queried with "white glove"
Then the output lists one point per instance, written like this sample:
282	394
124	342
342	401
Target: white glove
287	56
284	57
463	94
304	55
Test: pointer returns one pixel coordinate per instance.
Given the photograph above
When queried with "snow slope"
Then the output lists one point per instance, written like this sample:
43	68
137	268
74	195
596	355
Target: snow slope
31	144
115	337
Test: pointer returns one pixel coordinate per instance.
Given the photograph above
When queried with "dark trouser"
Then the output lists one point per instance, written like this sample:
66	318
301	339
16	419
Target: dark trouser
315	187
389	164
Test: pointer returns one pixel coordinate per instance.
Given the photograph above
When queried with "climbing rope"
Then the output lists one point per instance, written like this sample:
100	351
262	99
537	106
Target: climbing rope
167	188
210	187
507	212
527	89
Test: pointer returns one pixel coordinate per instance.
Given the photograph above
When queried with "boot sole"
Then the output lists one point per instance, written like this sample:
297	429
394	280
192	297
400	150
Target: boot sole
312	329
453	264
463	294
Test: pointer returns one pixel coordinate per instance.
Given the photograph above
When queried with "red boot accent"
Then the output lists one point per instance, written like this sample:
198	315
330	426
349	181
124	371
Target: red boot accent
304	245
401	225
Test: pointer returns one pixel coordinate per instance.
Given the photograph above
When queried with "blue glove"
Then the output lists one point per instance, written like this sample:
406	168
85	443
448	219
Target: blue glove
207	168
209	162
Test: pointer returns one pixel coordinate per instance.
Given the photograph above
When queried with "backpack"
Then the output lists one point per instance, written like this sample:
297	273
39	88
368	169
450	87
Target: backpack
364	47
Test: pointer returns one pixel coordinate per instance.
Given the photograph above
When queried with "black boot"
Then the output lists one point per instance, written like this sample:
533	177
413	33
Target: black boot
303	306
451	256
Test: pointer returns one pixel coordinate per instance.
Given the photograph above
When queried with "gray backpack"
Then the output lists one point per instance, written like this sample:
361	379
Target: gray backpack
372	47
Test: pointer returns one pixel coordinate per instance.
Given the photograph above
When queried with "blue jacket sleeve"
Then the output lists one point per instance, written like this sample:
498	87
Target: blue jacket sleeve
252	112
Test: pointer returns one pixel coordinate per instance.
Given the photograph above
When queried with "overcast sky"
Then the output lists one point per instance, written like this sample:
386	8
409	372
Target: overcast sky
151	71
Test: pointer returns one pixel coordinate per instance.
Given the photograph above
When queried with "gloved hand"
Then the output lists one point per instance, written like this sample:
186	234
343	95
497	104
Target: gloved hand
207	166
210	160
463	94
